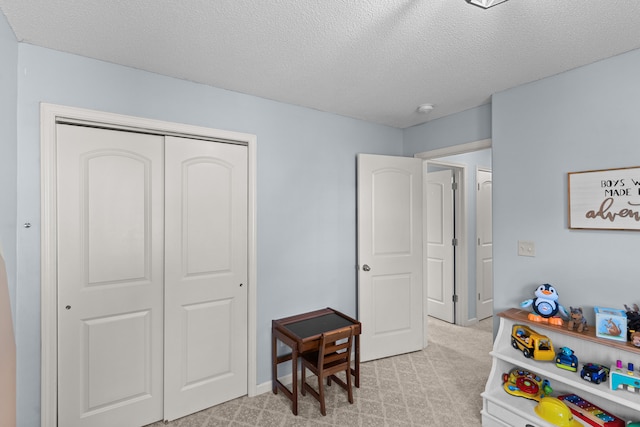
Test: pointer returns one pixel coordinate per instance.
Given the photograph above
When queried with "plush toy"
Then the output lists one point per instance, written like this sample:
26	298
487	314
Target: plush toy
545	305
635	339
577	320
633	321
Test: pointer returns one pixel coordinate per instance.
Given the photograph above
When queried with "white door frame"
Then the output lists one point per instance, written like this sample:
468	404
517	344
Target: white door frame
50	116
462	285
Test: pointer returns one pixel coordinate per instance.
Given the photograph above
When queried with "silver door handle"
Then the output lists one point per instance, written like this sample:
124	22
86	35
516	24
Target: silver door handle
366	267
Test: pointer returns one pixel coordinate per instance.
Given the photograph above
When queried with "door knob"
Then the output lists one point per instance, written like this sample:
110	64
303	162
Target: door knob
366	267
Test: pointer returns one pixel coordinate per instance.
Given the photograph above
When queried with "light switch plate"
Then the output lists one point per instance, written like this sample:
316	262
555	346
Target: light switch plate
526	248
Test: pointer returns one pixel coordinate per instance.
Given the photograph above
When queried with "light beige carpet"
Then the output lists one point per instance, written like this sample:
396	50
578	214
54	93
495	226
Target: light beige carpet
438	386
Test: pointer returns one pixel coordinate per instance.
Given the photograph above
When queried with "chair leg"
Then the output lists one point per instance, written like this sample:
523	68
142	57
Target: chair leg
323	409
302	380
349	388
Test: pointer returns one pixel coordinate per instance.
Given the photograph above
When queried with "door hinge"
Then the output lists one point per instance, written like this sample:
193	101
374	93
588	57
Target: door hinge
454	186
454	242
455	298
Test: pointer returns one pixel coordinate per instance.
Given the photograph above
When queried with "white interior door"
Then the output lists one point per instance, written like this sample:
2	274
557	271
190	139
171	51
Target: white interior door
110	262
484	263
389	255
206	275
440	247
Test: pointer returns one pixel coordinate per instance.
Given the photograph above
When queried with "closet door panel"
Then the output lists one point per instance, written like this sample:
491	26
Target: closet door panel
205	274
110	277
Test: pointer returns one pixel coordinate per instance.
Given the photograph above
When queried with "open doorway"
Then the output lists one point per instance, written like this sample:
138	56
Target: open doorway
469	295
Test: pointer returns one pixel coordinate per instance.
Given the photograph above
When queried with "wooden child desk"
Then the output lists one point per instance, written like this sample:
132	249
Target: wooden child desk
302	333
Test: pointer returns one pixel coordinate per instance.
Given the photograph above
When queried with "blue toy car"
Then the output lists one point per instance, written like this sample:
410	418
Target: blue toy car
594	372
565	359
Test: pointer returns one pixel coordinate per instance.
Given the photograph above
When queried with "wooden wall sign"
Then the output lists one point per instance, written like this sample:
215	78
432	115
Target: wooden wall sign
606	199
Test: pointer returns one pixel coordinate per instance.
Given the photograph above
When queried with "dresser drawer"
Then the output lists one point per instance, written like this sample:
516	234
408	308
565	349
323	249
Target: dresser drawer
507	417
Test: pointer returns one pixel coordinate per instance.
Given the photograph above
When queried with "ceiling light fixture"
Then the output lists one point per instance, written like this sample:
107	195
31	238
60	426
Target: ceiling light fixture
425	108
486	4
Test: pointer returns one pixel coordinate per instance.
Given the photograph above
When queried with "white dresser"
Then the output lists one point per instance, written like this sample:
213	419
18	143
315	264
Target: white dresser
504	410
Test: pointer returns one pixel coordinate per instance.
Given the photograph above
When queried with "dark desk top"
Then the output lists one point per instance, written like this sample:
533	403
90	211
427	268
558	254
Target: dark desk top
303	327
317	325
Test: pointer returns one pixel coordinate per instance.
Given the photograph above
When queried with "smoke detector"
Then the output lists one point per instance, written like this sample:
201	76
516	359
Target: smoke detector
425	108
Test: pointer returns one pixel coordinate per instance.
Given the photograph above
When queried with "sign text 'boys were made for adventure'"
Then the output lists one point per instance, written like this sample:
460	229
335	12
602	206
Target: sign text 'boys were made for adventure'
605	199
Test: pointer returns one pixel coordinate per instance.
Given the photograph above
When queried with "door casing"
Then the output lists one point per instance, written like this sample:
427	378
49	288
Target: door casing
50	116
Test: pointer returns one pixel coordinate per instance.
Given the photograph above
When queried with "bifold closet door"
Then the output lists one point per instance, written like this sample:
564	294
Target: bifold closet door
205	274
110	211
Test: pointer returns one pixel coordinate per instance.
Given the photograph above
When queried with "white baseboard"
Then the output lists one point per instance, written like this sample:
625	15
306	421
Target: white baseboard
266	386
471	322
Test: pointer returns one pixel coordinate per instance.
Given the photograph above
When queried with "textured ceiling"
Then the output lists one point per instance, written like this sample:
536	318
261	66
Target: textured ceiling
374	60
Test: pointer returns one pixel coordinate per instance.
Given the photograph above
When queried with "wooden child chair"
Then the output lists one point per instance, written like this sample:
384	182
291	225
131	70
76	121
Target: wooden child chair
333	356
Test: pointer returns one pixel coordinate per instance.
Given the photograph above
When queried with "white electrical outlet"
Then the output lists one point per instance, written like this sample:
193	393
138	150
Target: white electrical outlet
526	248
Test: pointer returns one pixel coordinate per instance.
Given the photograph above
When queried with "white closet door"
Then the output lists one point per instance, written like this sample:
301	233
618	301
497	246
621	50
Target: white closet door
205	274
110	250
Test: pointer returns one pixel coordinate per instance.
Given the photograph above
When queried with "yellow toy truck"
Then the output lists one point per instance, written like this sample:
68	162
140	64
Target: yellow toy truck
532	344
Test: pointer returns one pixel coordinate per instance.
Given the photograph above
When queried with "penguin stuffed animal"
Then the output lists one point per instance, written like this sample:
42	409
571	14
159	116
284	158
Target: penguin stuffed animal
545	306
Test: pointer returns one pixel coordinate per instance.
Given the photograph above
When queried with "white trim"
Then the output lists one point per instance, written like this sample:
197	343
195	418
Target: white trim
455	149
267	386
48	271
425	296
462	250
50	114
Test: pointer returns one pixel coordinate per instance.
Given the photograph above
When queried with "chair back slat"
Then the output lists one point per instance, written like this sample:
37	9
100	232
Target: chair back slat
335	346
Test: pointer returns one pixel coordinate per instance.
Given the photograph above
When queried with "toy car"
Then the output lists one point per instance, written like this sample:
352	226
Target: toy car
532	344
565	359
594	372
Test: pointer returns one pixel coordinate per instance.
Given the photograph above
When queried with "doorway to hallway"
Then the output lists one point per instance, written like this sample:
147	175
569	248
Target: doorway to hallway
466	159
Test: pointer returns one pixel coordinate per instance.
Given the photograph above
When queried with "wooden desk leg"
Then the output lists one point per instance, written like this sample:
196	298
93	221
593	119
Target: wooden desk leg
294	380
274	363
357	338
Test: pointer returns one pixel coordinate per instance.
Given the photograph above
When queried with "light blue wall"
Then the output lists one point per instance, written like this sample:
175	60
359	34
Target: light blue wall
461	128
8	147
580	120
305	187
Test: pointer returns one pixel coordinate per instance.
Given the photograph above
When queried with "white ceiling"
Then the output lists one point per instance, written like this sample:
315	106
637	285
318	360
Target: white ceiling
374	60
